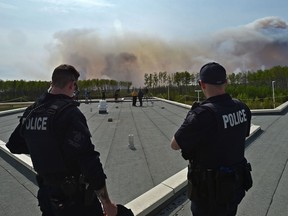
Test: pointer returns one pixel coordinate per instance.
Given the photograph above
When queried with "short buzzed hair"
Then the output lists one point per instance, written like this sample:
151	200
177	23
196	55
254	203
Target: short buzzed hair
63	74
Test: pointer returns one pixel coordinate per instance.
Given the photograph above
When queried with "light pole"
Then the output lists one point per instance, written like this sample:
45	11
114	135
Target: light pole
168	91
273	87
198	91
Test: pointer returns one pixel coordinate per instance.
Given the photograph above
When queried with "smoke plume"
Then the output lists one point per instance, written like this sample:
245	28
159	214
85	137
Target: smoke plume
257	45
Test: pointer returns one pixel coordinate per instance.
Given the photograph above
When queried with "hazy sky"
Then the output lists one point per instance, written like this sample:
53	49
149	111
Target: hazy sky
123	39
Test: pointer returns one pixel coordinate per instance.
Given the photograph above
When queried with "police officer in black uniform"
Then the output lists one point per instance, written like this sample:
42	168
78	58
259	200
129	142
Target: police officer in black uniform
55	134
212	138
140	97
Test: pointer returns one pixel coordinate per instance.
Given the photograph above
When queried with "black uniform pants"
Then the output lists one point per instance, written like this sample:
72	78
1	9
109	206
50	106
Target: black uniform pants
205	208
52	202
134	100
140	100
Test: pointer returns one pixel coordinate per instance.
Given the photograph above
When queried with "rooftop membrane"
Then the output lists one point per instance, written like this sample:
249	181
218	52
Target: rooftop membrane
144	172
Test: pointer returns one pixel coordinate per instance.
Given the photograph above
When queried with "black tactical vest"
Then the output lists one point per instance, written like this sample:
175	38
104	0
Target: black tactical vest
38	132
228	143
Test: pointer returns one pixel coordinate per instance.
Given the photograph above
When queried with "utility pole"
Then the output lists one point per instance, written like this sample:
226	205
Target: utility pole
273	89
198	91
168	91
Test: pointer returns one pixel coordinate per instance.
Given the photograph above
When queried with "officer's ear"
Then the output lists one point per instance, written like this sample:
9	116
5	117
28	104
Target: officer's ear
202	84
71	85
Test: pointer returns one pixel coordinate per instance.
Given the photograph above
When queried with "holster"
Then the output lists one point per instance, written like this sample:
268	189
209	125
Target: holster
70	187
217	185
66	192
247	177
89	194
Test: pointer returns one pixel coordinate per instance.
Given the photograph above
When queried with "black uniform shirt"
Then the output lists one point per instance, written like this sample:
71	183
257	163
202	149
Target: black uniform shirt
72	132
199	135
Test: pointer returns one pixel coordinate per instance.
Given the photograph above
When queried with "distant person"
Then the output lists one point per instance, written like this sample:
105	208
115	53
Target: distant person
103	94
140	97
116	94
212	138
134	97
55	133
87	96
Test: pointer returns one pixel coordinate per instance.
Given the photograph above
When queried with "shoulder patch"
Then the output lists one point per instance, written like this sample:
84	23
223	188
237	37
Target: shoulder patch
60	105
202	108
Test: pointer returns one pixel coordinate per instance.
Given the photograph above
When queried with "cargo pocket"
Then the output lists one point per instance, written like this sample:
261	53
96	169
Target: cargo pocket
225	185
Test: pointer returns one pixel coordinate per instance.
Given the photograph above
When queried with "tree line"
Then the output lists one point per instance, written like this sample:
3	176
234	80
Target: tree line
21	90
252	87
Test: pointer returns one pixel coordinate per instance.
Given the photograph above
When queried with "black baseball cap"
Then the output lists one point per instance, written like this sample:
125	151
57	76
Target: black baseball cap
213	73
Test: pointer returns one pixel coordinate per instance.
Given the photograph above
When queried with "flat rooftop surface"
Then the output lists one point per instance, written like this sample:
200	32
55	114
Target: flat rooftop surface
133	171
130	171
268	155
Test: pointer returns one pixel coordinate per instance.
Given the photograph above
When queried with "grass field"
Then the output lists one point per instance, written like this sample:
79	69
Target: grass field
9	106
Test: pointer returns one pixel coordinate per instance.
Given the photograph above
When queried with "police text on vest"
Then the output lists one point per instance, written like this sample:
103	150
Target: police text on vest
38	123
233	119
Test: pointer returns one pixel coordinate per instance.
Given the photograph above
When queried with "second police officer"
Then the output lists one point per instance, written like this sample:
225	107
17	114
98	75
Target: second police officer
212	138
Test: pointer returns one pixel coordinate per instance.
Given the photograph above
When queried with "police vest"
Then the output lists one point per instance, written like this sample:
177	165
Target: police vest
232	125
38	132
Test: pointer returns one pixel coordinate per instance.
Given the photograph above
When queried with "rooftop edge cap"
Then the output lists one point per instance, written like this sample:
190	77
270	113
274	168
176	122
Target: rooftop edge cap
213	73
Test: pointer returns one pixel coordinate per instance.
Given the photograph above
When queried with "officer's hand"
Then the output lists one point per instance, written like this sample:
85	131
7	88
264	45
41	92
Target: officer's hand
195	105
110	209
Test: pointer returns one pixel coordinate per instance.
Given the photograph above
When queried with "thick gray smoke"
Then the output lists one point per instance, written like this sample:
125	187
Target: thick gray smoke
258	45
